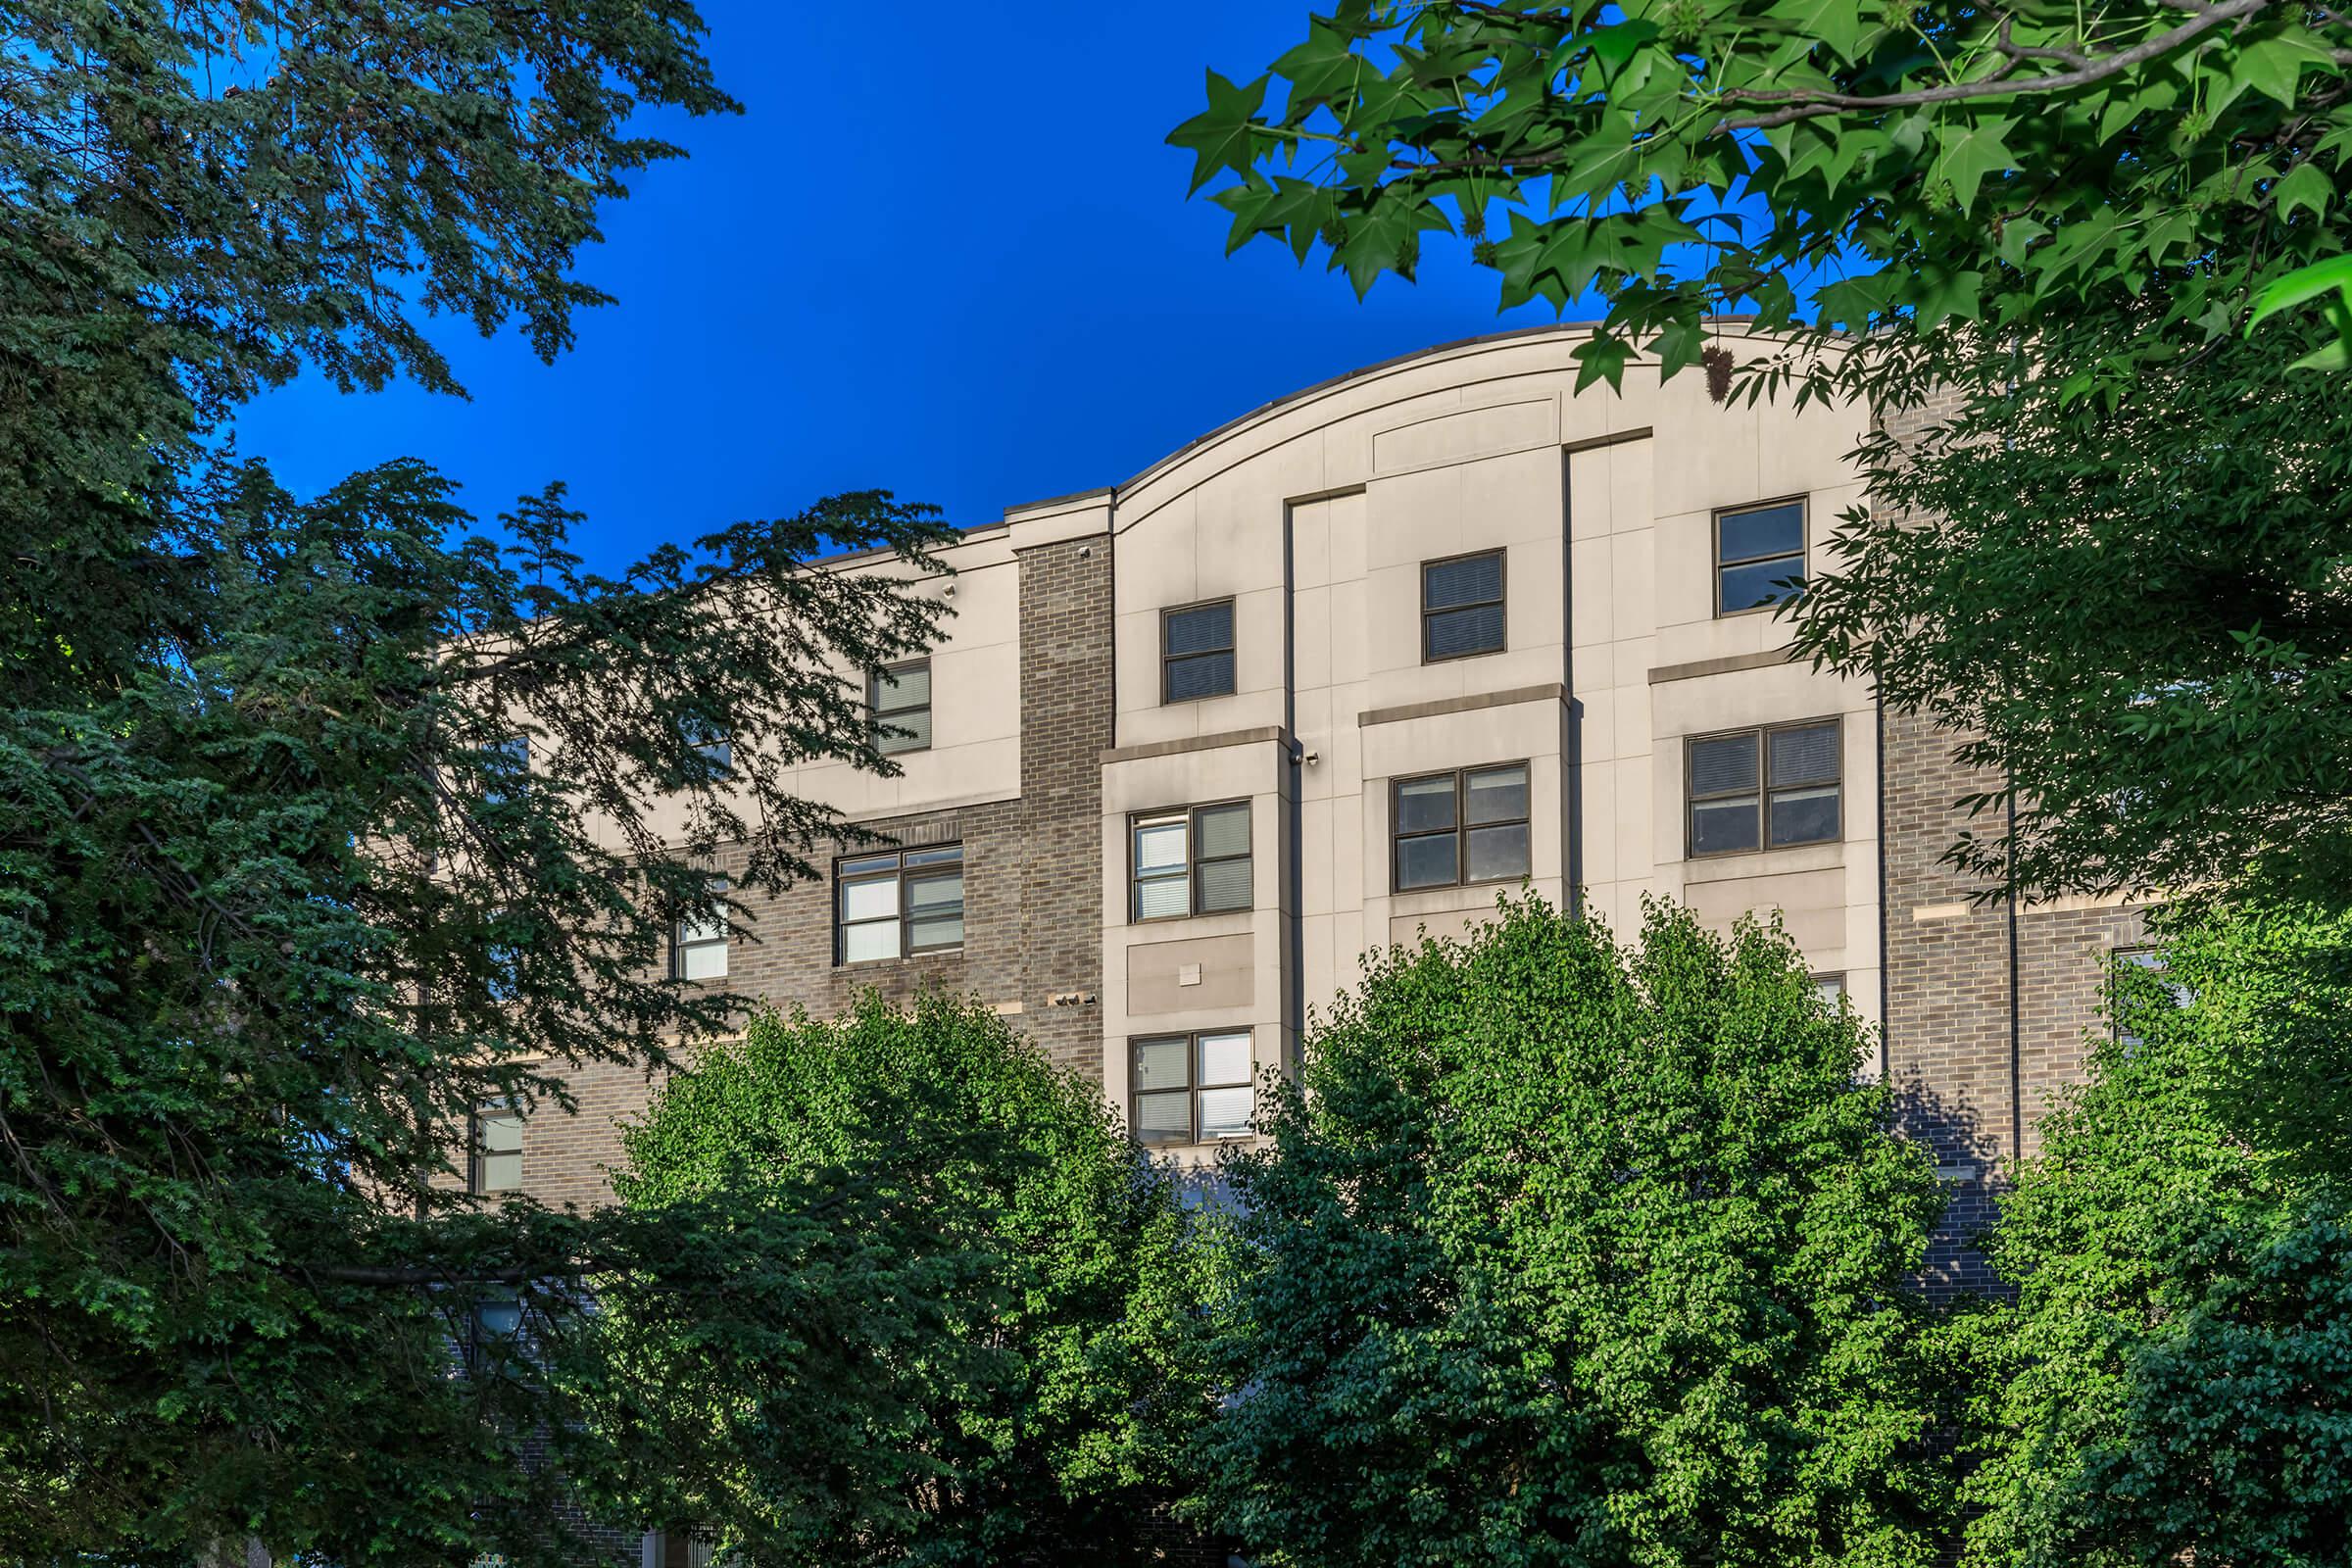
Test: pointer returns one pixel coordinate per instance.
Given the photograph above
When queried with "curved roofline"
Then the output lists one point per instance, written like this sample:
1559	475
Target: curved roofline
1483	340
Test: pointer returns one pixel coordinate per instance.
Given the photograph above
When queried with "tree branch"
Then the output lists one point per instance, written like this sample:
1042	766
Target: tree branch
1804	104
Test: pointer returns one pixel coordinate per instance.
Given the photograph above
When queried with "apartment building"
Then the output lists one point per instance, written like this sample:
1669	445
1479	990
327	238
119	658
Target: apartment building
1341	670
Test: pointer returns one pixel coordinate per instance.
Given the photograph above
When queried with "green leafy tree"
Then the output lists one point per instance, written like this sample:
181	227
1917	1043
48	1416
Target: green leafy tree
2133	609
2111	565
2170	1382
976	1354
1836	168
324	824
1562	1253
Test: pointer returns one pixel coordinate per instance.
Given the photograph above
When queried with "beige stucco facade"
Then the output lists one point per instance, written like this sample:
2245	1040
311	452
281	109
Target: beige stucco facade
1314	517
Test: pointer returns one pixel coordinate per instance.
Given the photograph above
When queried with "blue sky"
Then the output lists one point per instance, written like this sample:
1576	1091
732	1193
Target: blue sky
953	263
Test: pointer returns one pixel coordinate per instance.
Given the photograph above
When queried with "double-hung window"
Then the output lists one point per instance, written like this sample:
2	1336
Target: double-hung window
698	943
899	903
1759	556
1461	606
1190	1088
1196	651
1452	828
900	697
494	1162
1191	863
1768	788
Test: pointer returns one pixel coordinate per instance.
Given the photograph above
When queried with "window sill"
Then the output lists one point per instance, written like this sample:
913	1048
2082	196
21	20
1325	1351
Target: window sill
898	958
1454	896
1195	1149
1733	864
1215	924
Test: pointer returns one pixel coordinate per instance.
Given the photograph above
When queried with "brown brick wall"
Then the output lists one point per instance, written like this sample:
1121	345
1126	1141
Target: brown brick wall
1066	708
1987	1006
2064	960
1032	887
1948	1037
1033	905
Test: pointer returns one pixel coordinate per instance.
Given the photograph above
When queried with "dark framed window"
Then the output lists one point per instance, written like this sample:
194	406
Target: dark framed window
698	943
1759	557
494	1334
900	697
1794	797
2125	995
1190	862
1461	606
1449	829
1196	651
494	1164
1192	1089
505	769
898	902
713	747
496	1322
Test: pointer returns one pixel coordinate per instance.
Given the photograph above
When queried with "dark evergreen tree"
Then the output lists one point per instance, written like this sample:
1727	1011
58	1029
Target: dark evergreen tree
323	821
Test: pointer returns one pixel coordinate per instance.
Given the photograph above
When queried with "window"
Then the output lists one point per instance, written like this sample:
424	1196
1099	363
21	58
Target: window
693	1549
1191	863
1461	606
1797	803
505	769
1831	989
2124	995
1469	826
494	1335
900	700
712	747
496	1322
899	903
1196	651
1192	1089
502	971
697	944
496	1161
1759	556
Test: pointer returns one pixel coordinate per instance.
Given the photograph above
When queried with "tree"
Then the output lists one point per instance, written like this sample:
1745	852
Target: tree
1840	169
324	825
2170	1381
974	1357
2108	569
2132	611
1562	1253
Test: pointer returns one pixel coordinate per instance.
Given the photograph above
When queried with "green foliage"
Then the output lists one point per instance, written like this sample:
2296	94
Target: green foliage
2116	568
277	908
1567	1254
2172	1379
1888	162
2132	602
968	1352
2329	281
2271	977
